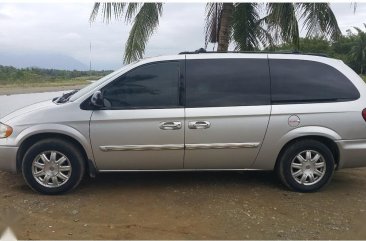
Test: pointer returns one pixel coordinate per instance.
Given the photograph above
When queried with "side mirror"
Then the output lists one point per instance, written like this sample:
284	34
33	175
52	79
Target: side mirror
97	99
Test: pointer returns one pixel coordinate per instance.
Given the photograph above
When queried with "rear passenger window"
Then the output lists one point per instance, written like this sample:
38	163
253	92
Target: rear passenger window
227	82
302	81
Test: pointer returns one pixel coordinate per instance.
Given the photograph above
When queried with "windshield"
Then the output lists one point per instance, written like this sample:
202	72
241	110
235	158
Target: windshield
95	84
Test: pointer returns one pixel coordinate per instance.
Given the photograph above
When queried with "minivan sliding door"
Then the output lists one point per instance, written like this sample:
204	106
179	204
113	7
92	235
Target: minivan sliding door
227	110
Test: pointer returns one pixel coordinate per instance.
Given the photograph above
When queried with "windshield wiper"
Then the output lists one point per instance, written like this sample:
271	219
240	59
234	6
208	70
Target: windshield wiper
65	97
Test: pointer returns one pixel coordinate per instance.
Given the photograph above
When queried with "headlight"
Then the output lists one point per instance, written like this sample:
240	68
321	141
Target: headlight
5	130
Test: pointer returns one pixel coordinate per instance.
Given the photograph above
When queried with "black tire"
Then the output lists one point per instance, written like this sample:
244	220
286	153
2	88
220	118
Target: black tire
75	159
285	170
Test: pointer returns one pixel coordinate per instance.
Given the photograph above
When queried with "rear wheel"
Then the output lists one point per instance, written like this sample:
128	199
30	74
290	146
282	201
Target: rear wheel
306	166
53	166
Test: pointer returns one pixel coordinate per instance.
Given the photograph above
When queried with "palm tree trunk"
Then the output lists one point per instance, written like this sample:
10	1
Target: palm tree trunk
225	27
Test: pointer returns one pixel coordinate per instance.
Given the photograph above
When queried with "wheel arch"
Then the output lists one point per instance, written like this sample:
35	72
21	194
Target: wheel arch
323	139
30	138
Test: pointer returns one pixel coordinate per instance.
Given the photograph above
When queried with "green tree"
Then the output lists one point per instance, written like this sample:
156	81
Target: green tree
240	23
237	23
358	50
341	49
318	21
307	45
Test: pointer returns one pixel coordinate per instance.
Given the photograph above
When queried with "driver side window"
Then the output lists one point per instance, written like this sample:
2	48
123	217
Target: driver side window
149	86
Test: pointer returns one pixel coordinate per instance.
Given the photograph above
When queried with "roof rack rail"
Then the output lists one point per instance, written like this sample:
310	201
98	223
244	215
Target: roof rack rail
203	51
198	51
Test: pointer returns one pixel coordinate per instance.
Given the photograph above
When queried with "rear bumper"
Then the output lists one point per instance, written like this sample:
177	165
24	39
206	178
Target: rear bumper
8	157
352	153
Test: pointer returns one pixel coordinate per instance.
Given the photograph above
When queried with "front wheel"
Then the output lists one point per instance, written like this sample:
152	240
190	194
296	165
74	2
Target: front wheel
53	166
306	166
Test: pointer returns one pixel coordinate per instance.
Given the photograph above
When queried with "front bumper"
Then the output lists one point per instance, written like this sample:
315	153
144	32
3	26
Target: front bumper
8	157
352	153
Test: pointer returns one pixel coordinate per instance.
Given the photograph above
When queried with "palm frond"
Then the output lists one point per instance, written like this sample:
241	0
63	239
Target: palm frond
247	32
109	9
358	30
131	11
94	12
319	20
282	22
212	26
144	24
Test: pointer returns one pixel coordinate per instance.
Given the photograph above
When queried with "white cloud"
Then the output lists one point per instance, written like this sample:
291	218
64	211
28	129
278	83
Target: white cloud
346	16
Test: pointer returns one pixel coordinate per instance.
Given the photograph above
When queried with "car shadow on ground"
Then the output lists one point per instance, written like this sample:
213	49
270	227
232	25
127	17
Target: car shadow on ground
182	179
246	180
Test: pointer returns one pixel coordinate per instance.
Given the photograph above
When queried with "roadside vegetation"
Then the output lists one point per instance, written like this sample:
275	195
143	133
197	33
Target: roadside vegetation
34	77
350	48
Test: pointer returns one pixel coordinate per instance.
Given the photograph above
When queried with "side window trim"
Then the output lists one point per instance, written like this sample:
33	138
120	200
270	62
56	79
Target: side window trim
181	83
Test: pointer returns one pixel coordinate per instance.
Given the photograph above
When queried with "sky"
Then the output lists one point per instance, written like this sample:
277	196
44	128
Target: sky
50	31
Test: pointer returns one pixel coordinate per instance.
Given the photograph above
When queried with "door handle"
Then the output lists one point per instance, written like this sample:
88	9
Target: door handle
171	125
199	124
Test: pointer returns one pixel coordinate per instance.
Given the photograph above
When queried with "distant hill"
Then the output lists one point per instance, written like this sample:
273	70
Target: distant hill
41	60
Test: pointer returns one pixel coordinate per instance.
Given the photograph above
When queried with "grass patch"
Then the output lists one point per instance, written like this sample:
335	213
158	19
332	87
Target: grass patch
54	83
47	82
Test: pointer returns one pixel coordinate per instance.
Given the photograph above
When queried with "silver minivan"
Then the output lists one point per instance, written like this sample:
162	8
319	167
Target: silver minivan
300	115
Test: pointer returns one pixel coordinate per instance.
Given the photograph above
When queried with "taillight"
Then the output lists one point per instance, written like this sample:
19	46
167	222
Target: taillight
364	114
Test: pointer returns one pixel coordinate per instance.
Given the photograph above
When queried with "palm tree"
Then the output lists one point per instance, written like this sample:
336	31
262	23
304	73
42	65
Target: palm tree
241	21
144	18
358	50
237	23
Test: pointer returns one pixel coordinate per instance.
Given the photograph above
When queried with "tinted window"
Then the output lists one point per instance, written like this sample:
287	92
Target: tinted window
148	86
227	82
308	81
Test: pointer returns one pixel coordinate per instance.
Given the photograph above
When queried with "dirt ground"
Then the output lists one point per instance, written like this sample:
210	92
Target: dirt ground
198	205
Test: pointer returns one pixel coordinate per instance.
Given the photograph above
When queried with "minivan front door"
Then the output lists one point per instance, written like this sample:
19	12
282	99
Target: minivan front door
227	111
142	126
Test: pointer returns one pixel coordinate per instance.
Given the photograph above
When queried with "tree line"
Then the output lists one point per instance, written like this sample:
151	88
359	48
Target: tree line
350	48
9	74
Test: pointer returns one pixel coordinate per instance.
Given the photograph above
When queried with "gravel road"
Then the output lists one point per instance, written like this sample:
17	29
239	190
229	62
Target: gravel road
199	205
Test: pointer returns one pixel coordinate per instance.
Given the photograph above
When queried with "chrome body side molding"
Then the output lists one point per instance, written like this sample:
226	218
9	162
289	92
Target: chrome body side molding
221	146
178	147
142	147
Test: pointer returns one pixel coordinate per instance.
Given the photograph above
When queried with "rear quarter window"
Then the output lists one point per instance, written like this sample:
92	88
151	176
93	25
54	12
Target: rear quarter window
303	81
